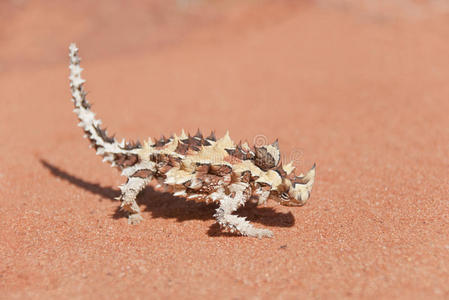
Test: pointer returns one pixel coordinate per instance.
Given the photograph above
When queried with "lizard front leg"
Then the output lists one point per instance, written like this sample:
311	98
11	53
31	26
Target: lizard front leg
238	194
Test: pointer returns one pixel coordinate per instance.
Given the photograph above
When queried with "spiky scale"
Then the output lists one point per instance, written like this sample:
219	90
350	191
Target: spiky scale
198	135
212	137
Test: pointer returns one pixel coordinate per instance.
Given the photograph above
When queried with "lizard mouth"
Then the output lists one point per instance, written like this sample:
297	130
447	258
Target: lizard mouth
293	202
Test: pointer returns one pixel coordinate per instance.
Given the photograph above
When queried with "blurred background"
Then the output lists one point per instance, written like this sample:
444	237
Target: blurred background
41	29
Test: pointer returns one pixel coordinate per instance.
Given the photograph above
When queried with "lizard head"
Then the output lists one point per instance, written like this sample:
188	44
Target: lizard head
295	191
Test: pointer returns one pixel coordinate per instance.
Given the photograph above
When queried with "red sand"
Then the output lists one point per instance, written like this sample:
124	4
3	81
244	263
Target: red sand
361	90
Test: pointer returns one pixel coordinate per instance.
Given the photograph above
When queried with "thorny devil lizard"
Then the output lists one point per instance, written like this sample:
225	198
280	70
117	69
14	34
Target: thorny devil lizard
197	167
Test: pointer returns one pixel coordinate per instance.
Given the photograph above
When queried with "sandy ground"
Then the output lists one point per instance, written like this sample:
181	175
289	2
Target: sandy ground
362	90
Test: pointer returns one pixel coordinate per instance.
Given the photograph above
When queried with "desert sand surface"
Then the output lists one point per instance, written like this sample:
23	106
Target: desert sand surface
361	89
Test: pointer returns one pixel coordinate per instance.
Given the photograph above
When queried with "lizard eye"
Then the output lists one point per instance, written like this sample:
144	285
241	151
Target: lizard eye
284	196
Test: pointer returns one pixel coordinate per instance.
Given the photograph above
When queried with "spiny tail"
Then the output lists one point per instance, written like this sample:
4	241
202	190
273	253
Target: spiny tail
118	154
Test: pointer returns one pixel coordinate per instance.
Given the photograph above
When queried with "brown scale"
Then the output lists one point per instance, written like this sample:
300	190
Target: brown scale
212	137
160	158
220	170
169	163
209	183
182	148
164	169
235	153
202	168
125	160
161	142
245	176
240	153
263	159
192	143
174	161
209	176
187	183
132	145
232	160
198	135
162	164
145	173
195	142
165	159
248	154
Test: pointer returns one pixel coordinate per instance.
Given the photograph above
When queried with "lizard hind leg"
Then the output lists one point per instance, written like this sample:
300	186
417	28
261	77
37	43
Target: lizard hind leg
239	194
130	190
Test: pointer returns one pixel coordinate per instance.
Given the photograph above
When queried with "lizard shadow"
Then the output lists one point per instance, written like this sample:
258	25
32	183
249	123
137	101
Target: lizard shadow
165	205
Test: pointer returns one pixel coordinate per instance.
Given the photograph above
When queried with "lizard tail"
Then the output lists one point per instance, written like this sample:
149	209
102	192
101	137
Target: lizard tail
118	154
